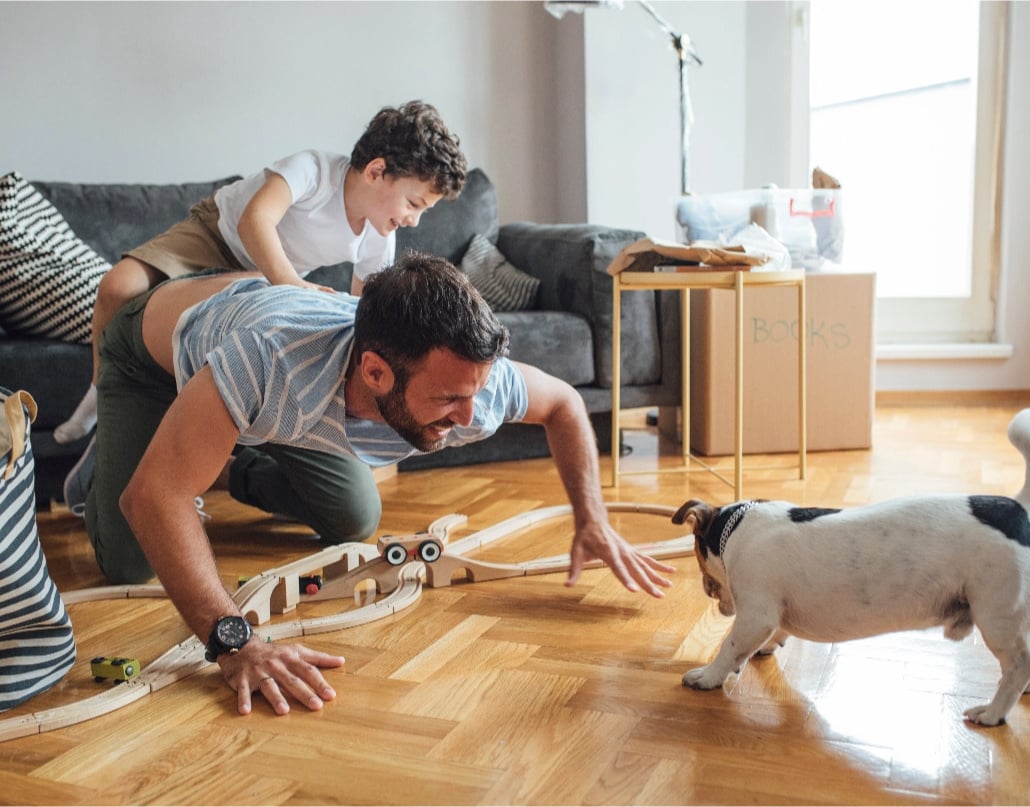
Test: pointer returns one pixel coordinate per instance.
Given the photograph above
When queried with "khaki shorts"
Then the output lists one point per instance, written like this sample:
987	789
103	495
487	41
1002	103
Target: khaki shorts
192	245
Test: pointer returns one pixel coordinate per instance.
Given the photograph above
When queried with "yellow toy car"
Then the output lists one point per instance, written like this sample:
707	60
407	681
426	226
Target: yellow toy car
115	669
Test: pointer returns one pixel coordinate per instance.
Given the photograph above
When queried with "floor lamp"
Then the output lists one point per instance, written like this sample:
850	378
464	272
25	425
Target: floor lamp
686	57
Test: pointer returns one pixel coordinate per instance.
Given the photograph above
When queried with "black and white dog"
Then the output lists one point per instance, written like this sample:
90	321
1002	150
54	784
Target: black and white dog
905	564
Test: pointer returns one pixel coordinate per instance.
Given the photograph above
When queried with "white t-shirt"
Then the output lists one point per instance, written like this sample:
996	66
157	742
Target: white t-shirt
314	231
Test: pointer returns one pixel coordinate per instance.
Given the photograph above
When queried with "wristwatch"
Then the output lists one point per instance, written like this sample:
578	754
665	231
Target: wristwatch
229	635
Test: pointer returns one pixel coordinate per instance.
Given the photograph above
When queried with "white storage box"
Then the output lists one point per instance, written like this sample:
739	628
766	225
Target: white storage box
809	222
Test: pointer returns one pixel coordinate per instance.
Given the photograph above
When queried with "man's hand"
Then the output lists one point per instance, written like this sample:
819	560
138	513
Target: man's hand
633	568
570	437
188	451
276	671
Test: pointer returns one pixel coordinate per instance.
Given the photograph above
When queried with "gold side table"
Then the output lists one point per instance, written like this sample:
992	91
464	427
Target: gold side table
684	281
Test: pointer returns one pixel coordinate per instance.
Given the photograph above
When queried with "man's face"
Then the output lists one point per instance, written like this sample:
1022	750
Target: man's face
438	396
399	202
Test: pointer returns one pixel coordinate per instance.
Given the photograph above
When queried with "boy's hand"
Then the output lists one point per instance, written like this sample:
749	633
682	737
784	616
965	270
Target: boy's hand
304	284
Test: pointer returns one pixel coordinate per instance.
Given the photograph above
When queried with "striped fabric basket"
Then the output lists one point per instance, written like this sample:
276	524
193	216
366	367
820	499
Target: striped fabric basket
37	647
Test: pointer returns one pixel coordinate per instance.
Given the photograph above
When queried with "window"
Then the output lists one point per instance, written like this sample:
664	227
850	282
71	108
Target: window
905	105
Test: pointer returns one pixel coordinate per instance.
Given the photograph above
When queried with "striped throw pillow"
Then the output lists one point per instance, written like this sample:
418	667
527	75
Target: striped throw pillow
48	276
503	286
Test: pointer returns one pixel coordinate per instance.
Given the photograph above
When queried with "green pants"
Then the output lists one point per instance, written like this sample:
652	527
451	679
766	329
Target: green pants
335	495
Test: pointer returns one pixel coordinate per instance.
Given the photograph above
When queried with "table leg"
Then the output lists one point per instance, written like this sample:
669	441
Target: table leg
685	374
738	397
616	374
802	384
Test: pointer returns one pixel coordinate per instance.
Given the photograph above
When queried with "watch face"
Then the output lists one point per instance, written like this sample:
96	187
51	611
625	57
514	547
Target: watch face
233	631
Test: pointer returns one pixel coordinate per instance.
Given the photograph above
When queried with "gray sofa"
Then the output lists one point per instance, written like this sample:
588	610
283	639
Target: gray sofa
567	333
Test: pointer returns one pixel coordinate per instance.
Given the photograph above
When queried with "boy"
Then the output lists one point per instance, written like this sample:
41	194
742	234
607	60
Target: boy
308	210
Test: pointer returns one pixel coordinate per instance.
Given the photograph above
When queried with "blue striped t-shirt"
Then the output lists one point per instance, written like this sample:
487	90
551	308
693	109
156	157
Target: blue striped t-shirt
279	354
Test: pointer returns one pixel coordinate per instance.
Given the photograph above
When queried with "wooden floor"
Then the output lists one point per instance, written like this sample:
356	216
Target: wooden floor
524	691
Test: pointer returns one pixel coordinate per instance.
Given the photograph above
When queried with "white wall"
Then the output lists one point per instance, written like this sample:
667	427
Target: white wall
742	138
573	119
632	107
168	92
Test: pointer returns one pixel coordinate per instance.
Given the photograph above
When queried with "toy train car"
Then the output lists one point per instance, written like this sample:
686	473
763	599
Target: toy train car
400	549
309	584
115	669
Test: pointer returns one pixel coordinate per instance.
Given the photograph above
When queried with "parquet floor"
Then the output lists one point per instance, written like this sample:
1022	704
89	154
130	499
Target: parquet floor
523	691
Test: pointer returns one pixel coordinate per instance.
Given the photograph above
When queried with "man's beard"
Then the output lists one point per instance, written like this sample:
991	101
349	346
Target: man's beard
398	417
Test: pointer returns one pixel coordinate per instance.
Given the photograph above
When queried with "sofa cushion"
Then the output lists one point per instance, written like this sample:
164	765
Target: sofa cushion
571	261
557	342
504	287
116	218
48	276
55	373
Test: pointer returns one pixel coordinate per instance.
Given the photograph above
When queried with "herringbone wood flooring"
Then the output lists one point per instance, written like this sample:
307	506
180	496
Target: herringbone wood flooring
523	691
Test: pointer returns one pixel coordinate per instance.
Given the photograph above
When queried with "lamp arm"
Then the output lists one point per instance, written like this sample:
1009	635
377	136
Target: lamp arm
684	50
658	18
680	42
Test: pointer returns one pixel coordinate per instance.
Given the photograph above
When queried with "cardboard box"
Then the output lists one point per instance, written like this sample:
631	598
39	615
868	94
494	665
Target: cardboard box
840	366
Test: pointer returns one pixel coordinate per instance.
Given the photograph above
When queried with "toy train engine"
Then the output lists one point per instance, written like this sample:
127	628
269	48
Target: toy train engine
115	669
400	549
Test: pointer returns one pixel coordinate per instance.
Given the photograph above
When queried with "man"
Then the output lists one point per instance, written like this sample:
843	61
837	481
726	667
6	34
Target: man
316	387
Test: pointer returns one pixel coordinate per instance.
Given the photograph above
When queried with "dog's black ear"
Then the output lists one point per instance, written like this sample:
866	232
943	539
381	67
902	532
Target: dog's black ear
681	515
698	512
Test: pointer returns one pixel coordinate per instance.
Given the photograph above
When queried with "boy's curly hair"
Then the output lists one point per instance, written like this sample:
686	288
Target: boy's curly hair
414	142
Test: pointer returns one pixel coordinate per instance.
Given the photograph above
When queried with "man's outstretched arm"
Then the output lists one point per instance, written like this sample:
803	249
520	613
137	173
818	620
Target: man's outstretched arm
556	405
189	449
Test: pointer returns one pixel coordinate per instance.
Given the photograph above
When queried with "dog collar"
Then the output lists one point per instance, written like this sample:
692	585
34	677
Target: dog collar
739	511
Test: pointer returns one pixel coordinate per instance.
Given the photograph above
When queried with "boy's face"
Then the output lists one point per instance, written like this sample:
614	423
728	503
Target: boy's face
397	201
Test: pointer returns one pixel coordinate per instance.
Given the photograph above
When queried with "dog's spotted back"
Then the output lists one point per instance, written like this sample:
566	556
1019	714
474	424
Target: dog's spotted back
1006	515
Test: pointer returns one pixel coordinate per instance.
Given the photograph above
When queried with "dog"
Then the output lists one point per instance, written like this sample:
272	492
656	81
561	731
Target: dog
830	575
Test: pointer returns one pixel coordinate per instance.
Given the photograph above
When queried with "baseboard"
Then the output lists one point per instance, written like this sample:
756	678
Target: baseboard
1000	397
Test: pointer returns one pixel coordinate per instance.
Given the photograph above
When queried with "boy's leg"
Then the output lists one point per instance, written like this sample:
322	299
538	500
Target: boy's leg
133	395
126	280
190	246
335	496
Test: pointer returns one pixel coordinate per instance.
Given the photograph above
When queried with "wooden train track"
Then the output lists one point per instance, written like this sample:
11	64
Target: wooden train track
343	568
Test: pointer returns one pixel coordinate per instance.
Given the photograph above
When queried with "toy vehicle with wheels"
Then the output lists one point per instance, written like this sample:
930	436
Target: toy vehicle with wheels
399	549
308	584
116	668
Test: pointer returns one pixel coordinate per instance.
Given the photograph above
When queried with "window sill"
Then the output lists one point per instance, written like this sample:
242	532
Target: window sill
944	351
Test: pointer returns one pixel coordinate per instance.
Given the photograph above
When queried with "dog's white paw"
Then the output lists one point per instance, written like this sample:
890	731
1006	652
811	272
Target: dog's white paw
983	716
702	678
